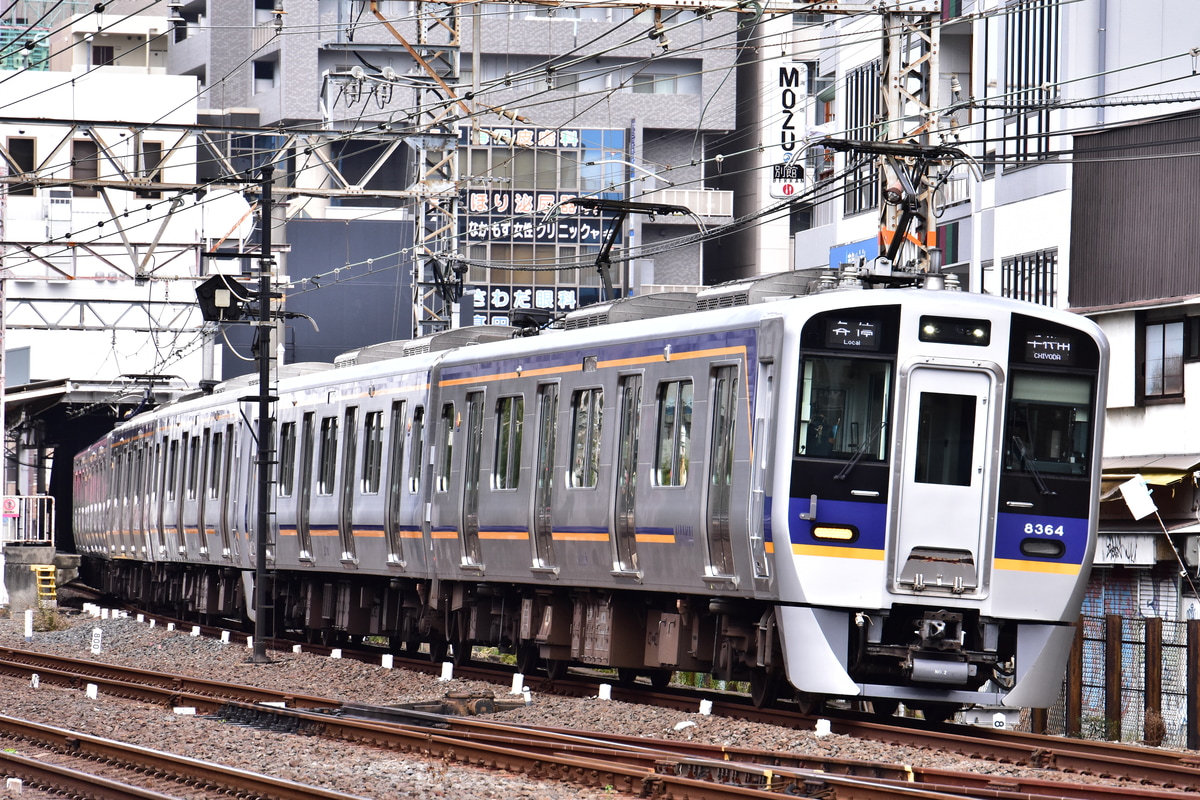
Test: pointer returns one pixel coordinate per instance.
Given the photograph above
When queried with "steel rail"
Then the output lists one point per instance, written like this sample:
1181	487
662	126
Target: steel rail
242	783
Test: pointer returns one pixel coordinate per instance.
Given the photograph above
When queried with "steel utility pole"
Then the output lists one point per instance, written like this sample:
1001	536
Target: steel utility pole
264	605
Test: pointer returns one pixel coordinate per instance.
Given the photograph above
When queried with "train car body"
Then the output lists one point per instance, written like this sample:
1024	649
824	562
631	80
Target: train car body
887	494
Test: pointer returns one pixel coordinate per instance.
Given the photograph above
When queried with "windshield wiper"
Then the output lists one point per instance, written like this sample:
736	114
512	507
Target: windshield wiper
1033	470
860	452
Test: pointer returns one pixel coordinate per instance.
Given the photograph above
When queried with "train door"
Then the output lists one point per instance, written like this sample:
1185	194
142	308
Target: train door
471	470
162	452
201	484
225	493
543	491
393	516
760	453
625	512
304	495
723	403
946	475
346	499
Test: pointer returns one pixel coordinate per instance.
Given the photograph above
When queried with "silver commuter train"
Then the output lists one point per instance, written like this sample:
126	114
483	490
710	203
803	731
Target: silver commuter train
884	494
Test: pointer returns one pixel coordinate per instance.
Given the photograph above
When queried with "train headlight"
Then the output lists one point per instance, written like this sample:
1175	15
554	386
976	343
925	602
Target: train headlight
835	533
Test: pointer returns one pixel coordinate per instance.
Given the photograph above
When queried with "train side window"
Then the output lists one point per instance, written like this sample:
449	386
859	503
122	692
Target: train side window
416	446
674	433
510	419
395	481
372	467
327	455
445	448
174	466
214	469
844	405
587	407
193	471
287	459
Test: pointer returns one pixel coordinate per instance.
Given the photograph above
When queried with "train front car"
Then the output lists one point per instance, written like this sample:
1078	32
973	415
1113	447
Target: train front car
943	482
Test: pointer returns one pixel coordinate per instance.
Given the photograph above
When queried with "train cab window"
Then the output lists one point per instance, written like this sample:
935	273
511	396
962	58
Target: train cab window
844	405
510	419
287	459
445	448
1049	423
327	455
587	407
372	466
674	433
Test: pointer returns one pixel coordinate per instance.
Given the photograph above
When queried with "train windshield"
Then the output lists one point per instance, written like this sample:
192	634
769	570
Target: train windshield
1049	424
844	405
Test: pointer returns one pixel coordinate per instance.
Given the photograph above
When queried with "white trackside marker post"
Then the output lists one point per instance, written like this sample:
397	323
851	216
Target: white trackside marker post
605	691
447	671
517	684
93	691
97	636
195	630
29	624
388	660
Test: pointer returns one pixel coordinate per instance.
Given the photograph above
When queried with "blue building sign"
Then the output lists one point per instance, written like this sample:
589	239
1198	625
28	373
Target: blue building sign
857	253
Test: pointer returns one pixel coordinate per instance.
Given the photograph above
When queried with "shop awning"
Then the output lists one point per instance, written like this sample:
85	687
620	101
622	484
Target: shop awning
1156	470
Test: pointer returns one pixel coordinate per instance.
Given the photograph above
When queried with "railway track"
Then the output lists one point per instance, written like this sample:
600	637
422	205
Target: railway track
79	765
643	767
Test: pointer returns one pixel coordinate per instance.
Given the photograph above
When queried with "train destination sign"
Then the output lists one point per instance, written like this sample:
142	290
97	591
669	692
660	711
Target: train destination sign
1048	348
851	334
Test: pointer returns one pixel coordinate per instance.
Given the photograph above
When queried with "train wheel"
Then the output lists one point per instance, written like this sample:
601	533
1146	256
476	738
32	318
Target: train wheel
626	676
809	703
437	650
884	707
462	653
556	669
527	659
764	687
938	712
660	678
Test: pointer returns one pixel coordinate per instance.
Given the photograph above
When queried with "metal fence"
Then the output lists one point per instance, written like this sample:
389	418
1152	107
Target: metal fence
27	519
1104	694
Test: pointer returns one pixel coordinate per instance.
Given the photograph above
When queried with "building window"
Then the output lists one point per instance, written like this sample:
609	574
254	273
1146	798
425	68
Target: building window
1162	356
646	83
102	55
85	166
22	158
150	168
1031	277
1031	68
862	112
264	76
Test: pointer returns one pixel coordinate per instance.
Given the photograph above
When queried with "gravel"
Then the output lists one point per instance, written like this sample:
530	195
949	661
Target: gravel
372	772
